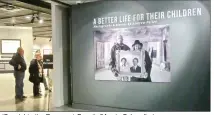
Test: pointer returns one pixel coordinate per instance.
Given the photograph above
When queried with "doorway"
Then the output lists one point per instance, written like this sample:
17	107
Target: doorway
26	24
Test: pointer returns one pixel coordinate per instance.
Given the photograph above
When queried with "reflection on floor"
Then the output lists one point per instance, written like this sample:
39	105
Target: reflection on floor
8	102
7	96
7	86
30	104
68	109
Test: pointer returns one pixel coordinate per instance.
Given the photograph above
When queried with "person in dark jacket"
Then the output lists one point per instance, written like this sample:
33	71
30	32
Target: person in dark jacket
36	74
18	62
44	81
119	46
135	68
147	62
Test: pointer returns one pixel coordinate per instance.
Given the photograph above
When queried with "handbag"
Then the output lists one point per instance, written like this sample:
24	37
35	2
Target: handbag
41	78
31	78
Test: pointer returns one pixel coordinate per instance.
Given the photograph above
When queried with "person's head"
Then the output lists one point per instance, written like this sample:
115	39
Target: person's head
38	56
137	45
38	51
20	51
135	61
123	60
120	39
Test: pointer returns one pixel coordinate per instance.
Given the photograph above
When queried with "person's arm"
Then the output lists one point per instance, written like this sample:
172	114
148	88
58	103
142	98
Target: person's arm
112	57
13	61
113	61
127	48
147	58
31	67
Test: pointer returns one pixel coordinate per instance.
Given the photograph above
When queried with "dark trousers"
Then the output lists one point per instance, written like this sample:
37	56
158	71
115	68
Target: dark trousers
36	86
19	83
149	73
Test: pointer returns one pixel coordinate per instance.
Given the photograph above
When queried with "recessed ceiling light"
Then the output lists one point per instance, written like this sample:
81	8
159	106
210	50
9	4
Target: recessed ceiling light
78	2
41	21
27	17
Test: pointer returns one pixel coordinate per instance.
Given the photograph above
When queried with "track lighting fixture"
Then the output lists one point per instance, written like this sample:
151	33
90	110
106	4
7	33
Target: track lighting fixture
36	16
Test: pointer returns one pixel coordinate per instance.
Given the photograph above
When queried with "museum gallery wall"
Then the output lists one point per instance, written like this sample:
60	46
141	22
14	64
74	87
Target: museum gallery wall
142	55
11	38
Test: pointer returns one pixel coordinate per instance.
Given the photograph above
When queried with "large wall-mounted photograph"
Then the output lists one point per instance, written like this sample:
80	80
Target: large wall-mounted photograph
133	54
9	46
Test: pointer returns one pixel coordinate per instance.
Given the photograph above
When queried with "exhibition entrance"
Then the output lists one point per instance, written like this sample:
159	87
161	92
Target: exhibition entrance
26	24
125	56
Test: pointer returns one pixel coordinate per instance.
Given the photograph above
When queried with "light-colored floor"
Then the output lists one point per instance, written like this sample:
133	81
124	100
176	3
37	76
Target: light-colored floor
7	86
67	109
7	96
30	104
8	102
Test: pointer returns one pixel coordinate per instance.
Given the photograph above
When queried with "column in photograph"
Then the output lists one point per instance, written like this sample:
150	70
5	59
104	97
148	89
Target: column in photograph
166	48
162	65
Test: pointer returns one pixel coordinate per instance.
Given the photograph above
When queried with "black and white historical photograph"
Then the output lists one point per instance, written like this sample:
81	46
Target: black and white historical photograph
133	54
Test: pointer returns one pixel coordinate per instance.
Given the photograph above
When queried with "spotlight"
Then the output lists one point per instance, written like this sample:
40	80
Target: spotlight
41	21
34	38
27	17
50	40
79	2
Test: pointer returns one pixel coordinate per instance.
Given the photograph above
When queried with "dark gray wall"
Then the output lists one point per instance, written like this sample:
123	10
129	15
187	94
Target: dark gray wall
189	89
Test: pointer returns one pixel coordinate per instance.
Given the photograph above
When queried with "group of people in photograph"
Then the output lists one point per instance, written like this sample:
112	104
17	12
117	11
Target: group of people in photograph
125	67
136	68
35	70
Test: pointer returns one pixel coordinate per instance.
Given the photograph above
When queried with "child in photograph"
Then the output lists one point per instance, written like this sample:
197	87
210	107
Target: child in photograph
135	68
124	65
147	63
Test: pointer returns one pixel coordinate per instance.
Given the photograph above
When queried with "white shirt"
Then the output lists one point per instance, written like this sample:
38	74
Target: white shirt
40	68
125	68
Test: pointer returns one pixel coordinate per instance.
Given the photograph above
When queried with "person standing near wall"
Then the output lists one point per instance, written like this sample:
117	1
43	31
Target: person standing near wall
36	74
44	80
19	64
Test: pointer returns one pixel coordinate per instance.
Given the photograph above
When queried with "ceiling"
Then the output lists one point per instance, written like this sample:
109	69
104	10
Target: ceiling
20	13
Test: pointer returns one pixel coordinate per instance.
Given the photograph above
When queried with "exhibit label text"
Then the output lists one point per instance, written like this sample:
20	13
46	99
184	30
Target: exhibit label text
150	16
